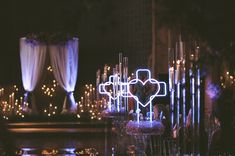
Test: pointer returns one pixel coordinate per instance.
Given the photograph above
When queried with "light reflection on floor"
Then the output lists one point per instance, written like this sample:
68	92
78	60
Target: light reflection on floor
52	152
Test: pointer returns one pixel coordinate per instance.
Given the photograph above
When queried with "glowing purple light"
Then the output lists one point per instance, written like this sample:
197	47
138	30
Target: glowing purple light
213	91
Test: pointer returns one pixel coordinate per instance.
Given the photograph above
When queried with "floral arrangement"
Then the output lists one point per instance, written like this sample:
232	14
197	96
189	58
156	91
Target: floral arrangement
46	38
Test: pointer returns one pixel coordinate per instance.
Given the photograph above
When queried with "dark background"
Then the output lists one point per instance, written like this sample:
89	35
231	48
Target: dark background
85	19
95	22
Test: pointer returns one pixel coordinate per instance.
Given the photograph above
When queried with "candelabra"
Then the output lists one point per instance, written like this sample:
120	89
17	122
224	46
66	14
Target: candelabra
185	95
89	105
111	86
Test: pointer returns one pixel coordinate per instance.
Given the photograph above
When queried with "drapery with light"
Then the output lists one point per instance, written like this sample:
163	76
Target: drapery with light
64	61
32	57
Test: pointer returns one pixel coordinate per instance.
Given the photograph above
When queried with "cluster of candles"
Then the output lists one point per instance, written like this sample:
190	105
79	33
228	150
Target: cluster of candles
89	104
227	80
119	74
10	104
1	92
49	89
184	87
51	111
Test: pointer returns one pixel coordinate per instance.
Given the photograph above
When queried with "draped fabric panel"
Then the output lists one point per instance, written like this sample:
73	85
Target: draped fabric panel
64	61
32	57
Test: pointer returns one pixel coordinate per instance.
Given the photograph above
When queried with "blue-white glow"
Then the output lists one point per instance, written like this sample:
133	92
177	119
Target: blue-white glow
193	86
198	97
178	90
125	90
148	80
178	104
172	108
184	106
114	80
28	149
193	100
32	57
184	99
69	150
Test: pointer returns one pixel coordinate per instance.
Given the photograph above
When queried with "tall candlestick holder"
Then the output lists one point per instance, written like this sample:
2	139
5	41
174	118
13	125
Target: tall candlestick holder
185	96
111	88
117	106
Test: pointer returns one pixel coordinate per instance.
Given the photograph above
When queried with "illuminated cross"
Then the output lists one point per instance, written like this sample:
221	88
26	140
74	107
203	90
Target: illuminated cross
152	82
113	93
122	89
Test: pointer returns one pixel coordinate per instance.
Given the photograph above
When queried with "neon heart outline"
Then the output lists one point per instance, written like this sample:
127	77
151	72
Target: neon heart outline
151	80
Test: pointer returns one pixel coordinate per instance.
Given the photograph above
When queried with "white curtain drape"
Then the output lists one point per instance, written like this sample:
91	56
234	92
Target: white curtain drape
64	61
32	56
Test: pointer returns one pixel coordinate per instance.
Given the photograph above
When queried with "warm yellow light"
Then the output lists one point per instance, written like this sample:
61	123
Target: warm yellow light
178	62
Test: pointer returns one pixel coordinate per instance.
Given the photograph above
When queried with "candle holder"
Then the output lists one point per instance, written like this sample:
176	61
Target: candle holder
185	87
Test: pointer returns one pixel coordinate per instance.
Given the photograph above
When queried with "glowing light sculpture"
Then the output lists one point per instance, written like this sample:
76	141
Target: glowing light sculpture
154	95
113	81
